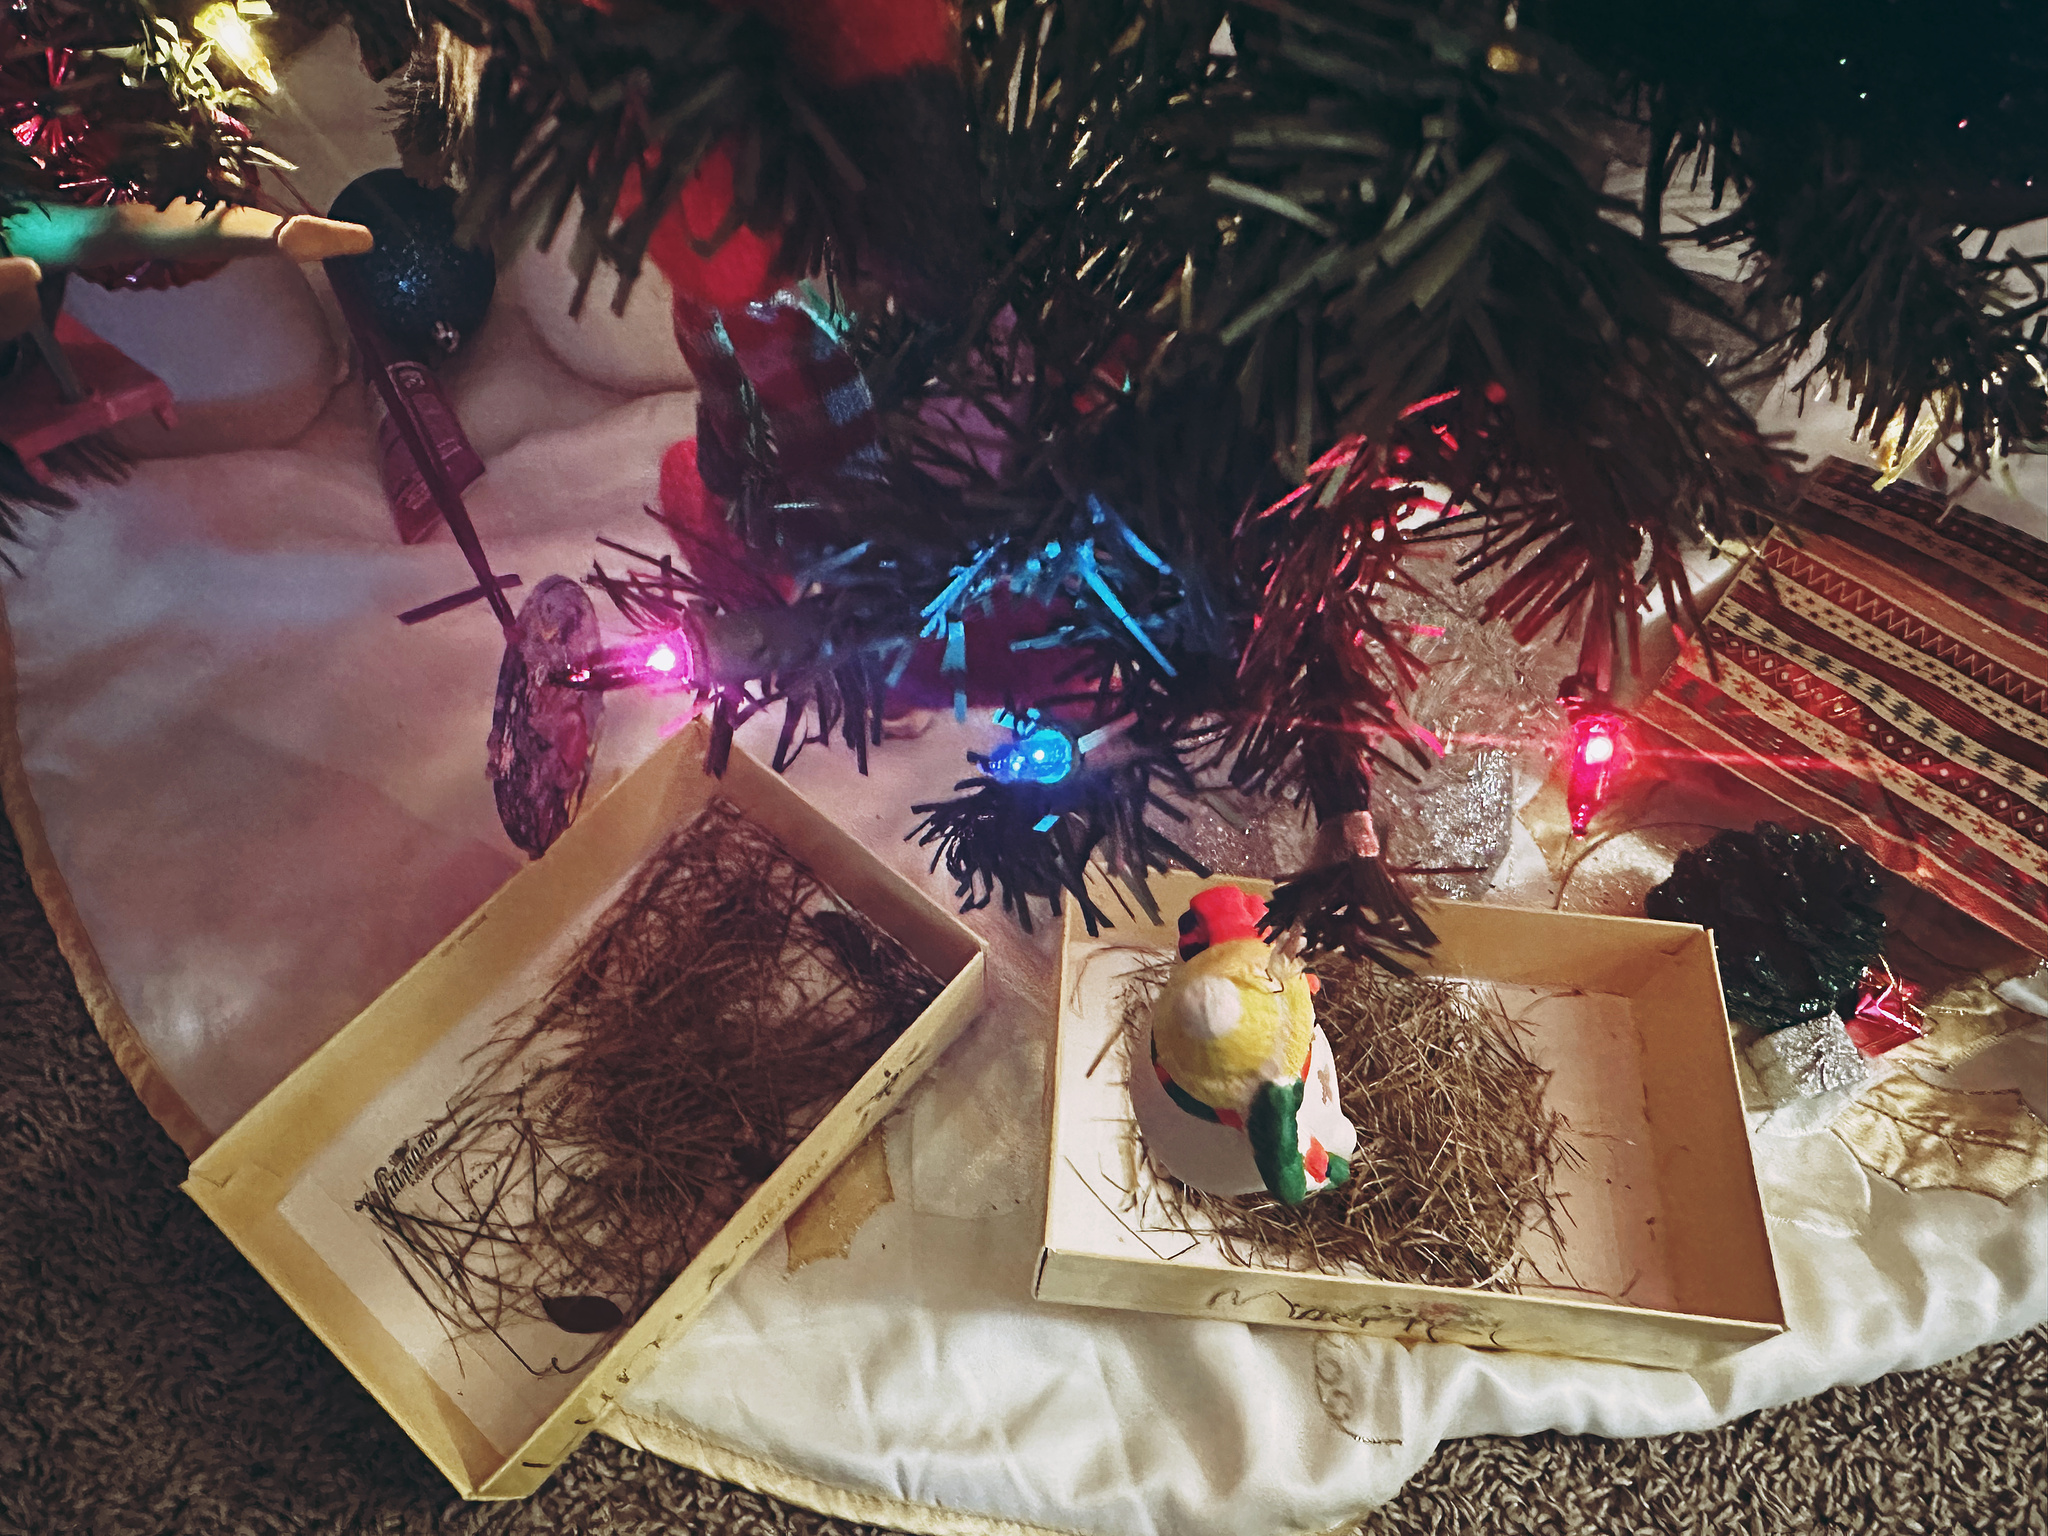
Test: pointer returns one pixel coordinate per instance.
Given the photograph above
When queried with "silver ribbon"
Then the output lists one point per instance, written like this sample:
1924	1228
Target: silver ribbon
1807	1060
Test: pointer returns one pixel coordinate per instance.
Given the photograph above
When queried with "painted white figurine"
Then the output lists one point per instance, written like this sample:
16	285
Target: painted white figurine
1239	1090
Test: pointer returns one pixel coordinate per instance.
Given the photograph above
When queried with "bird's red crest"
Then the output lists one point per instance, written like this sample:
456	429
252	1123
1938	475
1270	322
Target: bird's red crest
1218	915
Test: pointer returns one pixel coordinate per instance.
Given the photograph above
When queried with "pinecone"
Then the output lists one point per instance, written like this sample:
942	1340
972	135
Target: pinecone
1795	918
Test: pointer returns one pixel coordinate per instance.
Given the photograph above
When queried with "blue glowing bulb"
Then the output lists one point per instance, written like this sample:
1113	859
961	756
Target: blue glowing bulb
1044	756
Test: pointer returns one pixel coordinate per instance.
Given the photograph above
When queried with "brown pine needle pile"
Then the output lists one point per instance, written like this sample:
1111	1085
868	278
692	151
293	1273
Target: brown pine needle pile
1457	1152
714	1015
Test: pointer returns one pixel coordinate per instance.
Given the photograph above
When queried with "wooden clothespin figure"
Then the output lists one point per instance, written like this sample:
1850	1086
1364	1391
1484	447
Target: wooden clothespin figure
83	385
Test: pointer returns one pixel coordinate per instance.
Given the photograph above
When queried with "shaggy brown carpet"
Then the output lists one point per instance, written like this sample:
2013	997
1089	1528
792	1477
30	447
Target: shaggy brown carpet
153	1386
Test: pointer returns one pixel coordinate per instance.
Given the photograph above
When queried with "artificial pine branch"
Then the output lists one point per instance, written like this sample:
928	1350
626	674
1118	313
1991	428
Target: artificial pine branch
1870	157
1201	258
1354	209
595	118
1204	267
19	491
1033	843
1321	674
109	101
1352	907
1321	677
1909	323
755	647
545	111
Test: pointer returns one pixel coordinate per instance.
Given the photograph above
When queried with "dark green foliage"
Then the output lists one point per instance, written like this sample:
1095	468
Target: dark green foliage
1242	260
20	490
1147	266
1795	917
1910	319
1033	843
1352	906
130	107
813	655
1872	153
1365	207
1201	268
546	115
568	98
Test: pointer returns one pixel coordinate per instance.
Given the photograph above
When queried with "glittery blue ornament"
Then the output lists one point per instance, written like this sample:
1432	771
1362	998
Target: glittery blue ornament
428	293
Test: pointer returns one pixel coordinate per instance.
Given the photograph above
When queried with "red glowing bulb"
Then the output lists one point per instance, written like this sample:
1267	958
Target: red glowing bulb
1596	762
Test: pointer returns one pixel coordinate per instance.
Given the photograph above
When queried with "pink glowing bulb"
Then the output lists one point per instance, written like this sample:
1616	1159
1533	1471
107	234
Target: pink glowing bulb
662	658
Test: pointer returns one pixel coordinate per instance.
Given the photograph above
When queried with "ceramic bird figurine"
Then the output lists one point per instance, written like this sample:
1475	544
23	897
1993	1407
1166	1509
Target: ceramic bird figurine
1240	1090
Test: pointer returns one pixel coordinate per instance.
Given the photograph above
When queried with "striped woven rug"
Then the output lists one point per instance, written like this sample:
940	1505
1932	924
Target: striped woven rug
1887	673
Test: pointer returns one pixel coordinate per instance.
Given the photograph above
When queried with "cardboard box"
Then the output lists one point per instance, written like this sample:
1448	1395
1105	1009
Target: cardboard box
1666	1261
260	1180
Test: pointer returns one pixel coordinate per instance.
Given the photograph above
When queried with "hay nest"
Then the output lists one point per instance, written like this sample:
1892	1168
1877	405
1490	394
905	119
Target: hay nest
712	1017
1457	1151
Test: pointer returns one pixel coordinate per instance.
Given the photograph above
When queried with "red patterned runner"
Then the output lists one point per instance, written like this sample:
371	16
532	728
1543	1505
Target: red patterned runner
1887	674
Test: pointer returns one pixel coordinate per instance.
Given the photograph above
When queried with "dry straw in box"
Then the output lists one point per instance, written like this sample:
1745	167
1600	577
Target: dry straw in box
712	1016
1653	1250
1456	1146
283	1183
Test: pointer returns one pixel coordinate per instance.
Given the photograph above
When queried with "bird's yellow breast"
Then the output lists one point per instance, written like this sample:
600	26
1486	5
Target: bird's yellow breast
1224	1023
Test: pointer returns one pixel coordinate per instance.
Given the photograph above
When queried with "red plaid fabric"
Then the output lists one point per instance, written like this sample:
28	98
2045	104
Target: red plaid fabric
1887	674
806	386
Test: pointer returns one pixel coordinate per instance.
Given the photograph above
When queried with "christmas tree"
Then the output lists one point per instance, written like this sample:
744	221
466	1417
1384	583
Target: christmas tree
1108	358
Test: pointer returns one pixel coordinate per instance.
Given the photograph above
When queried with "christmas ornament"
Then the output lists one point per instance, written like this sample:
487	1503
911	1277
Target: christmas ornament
428	292
1796	918
424	458
1239	1091
421	294
1457	1153
544	735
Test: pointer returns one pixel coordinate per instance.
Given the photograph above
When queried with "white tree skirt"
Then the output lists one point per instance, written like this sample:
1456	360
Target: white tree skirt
266	798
